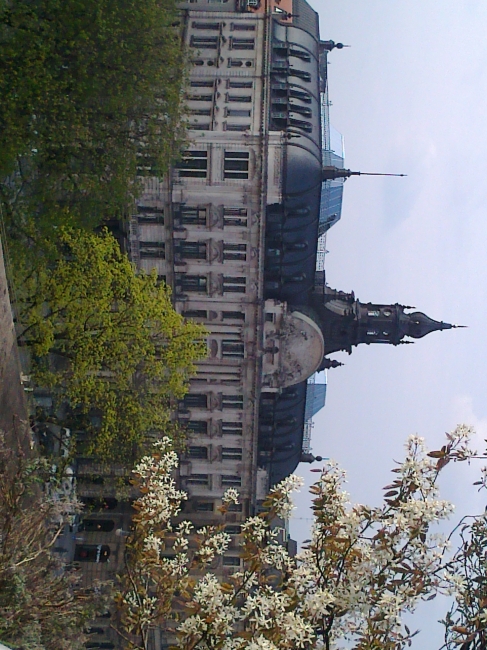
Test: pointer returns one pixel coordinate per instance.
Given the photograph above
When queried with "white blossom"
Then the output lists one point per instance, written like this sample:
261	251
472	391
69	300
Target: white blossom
230	496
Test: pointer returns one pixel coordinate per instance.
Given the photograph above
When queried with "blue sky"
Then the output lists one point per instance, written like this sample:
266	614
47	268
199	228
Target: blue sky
409	96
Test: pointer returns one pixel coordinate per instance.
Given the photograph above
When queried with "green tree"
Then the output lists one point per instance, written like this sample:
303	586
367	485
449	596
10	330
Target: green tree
91	97
104	338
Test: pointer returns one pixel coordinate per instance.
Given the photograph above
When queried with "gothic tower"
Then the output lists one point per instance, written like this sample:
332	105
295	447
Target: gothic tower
346	322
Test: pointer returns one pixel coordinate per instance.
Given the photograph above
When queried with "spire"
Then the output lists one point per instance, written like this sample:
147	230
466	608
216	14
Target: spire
328	46
330	173
417	325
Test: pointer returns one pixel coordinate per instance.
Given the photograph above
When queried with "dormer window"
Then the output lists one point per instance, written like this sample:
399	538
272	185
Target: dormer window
374	313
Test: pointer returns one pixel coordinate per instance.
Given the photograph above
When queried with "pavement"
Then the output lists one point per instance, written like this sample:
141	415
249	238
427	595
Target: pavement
14	414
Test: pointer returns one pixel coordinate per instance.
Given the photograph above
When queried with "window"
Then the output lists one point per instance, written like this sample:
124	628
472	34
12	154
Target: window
235	63
195	313
195	400
300	54
233	530
204	506
236	163
96	503
91	553
200	126
200	98
235	507
194	283
146	214
191	250
242	43
204	42
97	525
302	110
237	83
300	94
237	112
232	401
194	164
233	315
301	74
202	83
231	480
245	99
198	426
235	217
232	428
103	645
231	453
301	124
198	479
200	111
234	284
242	27
197	453
192	216
197	25
229	126
231	560
235	252
373	312
372	333
152	249
232	349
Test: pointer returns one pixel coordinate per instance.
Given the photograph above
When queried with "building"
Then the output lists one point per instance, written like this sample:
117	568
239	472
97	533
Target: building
234	231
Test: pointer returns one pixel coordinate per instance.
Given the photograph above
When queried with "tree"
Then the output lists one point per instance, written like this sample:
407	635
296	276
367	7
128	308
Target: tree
42	605
92	97
363	568
104	338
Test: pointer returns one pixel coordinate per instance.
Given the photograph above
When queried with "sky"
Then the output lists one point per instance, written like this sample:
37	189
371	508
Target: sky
409	96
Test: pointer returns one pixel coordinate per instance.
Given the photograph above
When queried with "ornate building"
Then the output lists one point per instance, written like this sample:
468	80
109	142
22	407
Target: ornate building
234	231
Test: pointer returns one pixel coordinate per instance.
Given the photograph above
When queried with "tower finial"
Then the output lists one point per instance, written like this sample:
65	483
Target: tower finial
330	173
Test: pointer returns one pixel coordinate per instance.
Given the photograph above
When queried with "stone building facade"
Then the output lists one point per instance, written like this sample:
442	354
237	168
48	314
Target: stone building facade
233	230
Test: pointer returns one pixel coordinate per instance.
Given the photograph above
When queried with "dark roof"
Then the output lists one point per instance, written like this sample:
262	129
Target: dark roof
281	427
306	18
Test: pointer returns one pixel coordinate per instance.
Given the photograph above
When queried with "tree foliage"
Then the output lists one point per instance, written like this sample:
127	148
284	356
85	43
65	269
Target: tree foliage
362	570
42	606
104	338
91	96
